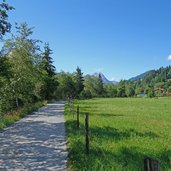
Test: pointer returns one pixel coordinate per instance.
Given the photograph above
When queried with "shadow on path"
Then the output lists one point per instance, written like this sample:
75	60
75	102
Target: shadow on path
37	142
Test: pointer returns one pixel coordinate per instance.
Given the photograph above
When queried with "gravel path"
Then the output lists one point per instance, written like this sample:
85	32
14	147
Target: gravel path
37	142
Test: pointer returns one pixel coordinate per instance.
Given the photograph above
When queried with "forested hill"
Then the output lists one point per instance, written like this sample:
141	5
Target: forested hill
158	81
140	76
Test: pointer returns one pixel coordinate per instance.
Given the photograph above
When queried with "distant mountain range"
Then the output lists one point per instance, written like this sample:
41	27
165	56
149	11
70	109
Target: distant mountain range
105	80
159	78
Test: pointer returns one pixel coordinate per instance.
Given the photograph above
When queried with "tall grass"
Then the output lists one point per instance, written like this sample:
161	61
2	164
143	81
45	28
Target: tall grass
123	132
13	116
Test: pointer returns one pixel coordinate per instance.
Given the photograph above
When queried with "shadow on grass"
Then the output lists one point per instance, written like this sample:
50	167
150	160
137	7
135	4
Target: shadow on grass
106	114
125	158
102	159
109	132
116	134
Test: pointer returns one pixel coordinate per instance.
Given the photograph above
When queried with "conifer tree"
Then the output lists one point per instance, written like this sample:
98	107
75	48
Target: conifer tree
50	80
79	80
47	60
100	87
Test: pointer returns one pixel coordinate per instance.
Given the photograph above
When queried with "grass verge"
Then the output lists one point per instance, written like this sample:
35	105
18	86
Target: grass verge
13	116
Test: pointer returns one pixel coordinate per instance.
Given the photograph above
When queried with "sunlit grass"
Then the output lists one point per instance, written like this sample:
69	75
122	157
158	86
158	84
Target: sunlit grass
123	132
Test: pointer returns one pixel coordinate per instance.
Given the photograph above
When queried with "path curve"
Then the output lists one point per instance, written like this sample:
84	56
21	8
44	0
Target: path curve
37	142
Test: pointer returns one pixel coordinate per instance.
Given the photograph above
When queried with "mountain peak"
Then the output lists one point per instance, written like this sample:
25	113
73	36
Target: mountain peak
104	79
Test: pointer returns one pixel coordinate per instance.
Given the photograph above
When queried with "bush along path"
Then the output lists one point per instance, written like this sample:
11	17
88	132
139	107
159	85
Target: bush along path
37	142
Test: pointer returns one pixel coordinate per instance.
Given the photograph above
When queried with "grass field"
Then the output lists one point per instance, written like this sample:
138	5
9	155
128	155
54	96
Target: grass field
123	132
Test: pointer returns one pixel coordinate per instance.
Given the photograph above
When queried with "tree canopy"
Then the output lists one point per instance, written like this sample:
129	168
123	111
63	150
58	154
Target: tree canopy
5	26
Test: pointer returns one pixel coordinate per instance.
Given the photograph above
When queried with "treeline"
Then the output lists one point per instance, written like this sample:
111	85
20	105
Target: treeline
153	83
26	72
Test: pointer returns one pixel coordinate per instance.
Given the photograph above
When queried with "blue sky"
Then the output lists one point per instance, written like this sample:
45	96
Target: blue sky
121	38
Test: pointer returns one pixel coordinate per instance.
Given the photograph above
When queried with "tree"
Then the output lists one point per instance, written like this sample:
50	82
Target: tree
5	26
66	88
4	66
169	89
79	80
50	78
150	92
23	56
90	87
47	60
99	86
130	89
110	90
121	89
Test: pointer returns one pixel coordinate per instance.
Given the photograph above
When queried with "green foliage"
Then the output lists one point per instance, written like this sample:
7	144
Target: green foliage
66	87
22	57
169	89
79	80
86	94
26	75
50	80
4	67
93	87
157	80
50	87
130	89
121	89
90	86
111	90
47	62
14	116
122	132
150	92
154	83
23	78
99	86
5	26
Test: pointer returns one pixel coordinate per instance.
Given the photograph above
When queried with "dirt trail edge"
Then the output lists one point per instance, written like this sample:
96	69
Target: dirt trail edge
37	142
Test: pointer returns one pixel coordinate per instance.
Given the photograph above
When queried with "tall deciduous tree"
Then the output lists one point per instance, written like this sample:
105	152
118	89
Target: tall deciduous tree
66	87
22	54
111	90
90	87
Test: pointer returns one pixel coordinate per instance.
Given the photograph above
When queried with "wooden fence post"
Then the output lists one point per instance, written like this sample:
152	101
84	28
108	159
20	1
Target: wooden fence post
151	164
78	113
87	132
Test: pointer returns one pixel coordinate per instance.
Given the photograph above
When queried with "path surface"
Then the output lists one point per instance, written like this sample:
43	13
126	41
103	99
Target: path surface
36	142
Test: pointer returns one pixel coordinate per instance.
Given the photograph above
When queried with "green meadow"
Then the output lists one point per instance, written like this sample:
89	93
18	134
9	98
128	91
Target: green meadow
122	132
